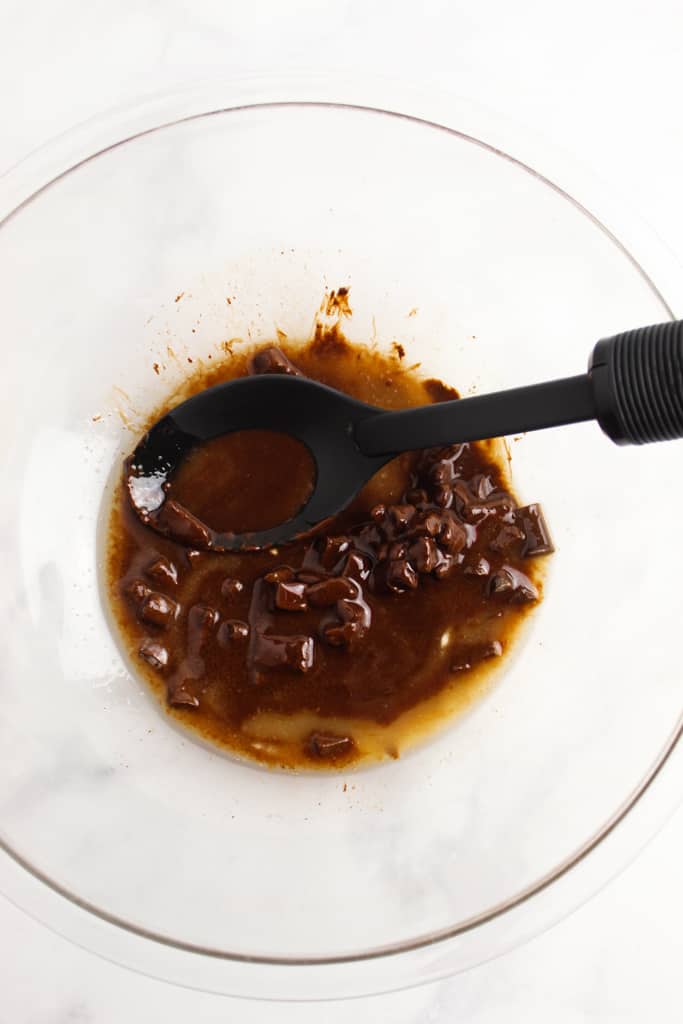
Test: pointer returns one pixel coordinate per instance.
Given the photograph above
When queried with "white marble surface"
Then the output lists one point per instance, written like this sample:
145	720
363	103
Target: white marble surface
616	959
601	79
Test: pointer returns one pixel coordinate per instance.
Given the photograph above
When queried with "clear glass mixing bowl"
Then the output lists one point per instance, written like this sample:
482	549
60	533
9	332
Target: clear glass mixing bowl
130	836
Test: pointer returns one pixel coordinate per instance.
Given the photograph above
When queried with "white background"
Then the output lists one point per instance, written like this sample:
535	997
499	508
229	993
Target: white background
600	78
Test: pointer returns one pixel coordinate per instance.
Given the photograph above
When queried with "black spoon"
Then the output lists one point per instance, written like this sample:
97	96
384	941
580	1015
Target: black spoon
634	388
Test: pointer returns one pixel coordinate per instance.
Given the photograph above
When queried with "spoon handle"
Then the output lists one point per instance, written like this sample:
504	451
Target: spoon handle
634	388
638	384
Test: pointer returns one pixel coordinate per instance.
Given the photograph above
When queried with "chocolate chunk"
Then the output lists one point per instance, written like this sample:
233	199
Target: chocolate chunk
201	620
154	653
462	496
501	502
158	610
283	574
524	589
179	524
271	651
444	566
481	485
537	539
163	570
180	695
399	549
202	616
272	360
356	618
427	524
443	496
231	587
231	630
356	611
508	537
513	583
424	554
501	582
328	745
340	634
441	472
479	567
452	535
401	576
401	515
328	592
333	548
136	591
356	566
291	597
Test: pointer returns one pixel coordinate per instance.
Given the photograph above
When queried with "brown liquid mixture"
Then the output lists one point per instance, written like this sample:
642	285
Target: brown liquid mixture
348	645
224	484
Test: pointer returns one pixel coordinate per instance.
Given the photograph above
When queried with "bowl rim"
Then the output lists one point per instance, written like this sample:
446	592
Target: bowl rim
22	185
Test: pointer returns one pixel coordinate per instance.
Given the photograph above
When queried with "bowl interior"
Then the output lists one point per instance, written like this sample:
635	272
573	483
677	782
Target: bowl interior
231	226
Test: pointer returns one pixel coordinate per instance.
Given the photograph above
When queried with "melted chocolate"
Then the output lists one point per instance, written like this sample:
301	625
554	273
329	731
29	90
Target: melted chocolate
287	655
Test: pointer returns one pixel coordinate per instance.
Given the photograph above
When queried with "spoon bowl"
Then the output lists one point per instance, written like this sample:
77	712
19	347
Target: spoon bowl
322	419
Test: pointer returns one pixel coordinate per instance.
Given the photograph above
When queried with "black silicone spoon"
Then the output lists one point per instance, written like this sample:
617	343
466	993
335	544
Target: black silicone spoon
633	388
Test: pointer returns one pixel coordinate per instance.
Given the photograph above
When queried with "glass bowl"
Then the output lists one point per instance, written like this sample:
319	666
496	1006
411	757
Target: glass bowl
154	237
